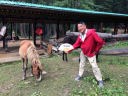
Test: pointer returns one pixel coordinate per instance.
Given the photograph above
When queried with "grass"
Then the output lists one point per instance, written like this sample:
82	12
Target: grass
59	81
119	44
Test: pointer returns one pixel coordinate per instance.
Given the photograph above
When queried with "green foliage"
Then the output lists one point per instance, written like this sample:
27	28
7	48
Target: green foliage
63	3
119	44
118	6
80	4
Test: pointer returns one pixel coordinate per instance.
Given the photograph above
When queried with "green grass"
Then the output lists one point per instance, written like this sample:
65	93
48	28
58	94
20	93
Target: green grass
59	81
119	44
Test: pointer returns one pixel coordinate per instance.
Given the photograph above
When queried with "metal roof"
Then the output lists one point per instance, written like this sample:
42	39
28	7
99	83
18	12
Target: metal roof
58	13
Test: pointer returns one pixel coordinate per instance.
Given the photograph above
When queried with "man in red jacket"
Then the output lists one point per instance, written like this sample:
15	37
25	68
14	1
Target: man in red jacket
90	44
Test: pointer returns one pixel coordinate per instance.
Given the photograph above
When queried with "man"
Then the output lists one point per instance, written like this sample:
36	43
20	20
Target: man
90	43
3	35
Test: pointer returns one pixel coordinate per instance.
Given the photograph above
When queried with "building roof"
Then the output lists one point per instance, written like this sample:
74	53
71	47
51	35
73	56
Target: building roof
38	12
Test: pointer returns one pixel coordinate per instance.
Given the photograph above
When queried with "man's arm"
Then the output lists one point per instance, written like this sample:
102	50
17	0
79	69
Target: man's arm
75	45
99	40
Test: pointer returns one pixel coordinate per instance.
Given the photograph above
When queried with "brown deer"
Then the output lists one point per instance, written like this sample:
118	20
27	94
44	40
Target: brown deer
27	51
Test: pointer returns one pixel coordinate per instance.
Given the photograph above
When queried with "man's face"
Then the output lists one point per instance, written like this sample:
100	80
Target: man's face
81	27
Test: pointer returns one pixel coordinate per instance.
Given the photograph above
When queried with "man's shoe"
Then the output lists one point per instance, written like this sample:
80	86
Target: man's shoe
101	85
77	78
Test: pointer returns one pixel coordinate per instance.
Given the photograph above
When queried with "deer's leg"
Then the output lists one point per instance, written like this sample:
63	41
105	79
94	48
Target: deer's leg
63	56
23	68
31	72
25	61
66	56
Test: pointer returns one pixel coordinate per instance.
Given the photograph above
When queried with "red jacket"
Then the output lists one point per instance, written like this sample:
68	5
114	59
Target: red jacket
91	45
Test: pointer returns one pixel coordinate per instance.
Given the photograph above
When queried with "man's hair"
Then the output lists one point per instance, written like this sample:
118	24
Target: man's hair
81	22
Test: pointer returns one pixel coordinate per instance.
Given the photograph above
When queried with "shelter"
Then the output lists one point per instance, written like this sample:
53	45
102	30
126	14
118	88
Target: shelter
28	12
33	13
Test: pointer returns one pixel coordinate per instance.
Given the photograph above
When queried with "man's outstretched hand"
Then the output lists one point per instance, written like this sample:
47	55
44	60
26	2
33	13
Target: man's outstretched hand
68	50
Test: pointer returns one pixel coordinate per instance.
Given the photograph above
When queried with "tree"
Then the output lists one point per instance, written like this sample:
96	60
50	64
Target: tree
116	6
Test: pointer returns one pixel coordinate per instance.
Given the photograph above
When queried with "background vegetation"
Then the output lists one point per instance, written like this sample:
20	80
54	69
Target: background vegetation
116	6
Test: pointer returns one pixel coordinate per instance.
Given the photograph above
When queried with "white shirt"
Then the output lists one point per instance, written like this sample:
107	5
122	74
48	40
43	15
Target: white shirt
83	36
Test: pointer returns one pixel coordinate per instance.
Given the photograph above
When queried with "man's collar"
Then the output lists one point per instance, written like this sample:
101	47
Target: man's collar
83	36
85	32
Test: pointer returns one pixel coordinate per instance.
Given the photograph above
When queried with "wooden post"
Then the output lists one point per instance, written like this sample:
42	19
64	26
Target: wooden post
11	29
42	36
115	29
29	31
34	34
76	29
69	25
126	28
58	31
101	27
